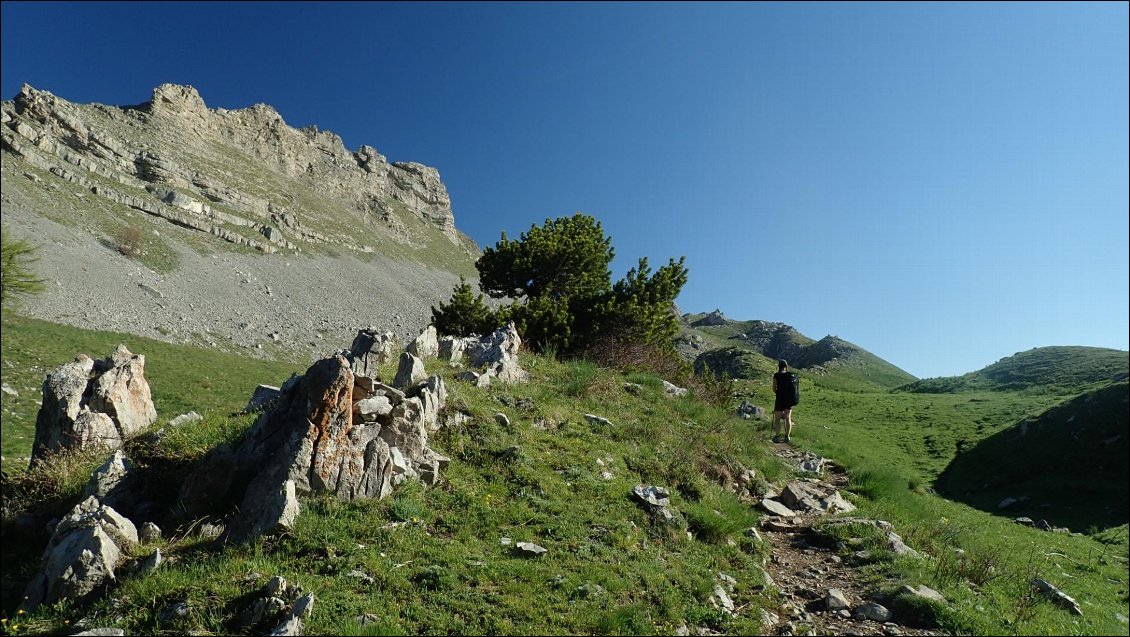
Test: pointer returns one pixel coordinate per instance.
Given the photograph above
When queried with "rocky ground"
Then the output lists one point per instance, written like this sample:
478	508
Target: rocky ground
804	572
260	305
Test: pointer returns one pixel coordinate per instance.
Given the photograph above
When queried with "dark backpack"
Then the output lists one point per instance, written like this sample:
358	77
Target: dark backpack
794	386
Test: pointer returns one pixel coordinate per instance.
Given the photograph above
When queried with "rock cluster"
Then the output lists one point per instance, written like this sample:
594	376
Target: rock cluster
282	603
89	404
494	355
88	544
336	429
339	429
330	430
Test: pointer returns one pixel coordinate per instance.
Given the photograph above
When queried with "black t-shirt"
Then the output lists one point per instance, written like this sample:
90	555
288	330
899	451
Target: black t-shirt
784	382
787	391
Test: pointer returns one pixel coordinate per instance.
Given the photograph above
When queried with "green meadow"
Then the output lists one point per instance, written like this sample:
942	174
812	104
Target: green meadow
439	560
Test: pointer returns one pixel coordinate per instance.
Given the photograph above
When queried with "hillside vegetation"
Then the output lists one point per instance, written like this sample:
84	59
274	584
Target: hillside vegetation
430	561
1061	370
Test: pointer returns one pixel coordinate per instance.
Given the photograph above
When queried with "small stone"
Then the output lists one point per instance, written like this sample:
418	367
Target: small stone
529	549
872	611
151	563
173	611
836	600
150	533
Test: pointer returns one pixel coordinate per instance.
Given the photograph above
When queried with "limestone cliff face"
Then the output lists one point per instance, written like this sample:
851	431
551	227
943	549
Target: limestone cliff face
242	175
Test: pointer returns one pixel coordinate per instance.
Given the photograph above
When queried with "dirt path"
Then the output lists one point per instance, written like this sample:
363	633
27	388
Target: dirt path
804	572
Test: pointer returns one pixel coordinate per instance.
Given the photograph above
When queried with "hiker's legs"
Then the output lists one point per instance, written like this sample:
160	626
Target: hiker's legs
776	424
788	413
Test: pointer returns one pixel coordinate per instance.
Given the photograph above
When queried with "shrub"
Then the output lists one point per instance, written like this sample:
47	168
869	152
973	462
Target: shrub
633	356
712	389
625	620
718	516
129	240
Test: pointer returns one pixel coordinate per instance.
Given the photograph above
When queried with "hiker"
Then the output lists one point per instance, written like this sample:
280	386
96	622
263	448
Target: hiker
787	390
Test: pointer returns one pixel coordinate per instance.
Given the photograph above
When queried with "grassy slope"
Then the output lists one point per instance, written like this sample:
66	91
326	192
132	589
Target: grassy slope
439	567
1072	461
181	378
1063	370
913	434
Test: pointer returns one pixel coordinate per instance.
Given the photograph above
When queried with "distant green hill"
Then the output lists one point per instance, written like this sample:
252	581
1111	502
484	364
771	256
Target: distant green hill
1068	466
750	349
1061	370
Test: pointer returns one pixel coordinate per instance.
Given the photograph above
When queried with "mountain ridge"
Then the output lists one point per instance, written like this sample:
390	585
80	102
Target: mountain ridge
750	349
252	235
193	161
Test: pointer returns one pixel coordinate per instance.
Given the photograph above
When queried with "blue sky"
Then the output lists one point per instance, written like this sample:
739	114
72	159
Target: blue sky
942	184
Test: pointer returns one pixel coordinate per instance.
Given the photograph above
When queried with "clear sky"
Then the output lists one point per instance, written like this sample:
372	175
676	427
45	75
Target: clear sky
943	185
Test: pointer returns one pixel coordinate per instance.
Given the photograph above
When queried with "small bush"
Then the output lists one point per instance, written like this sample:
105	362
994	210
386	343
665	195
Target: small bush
879	483
916	611
407	505
582	376
626	620
52	485
129	240
976	566
713	390
465	314
434	578
629	356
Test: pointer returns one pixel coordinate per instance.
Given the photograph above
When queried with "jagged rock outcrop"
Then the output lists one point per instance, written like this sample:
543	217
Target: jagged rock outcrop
498	354
88	544
281	603
409	372
370	349
198	185
713	318
113	482
426	345
89	404
171	146
495	355
731	361
329	431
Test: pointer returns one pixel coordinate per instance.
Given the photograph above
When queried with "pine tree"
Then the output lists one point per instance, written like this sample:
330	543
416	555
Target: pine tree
641	308
465	314
17	279
566	257
563	297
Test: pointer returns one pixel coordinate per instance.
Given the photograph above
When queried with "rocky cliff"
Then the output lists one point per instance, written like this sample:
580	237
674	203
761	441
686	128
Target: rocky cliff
243	175
251	233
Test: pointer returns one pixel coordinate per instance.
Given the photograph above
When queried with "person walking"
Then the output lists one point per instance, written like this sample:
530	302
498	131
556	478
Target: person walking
786	388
